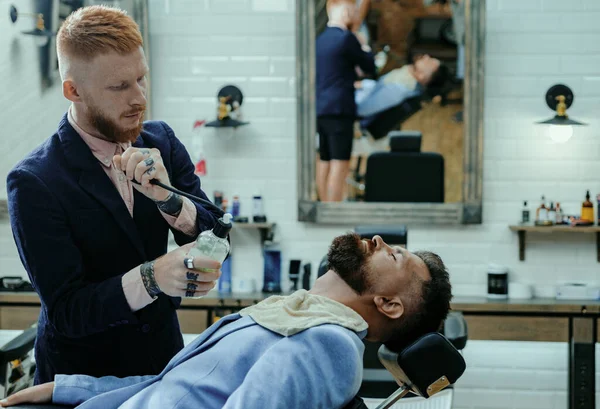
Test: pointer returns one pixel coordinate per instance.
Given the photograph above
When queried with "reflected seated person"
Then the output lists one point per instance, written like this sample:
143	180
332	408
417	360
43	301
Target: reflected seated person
426	75
304	350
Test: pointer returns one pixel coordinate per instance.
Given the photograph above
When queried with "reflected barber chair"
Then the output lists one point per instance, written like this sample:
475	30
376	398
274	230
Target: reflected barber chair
388	120
423	172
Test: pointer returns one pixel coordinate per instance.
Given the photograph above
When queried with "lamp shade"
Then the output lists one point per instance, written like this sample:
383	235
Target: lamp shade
559	98
560	120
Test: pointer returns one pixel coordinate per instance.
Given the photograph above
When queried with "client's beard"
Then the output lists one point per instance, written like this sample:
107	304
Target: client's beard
347	257
111	131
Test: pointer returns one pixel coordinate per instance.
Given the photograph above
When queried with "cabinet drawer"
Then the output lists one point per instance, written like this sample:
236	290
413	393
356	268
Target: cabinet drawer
490	327
18	317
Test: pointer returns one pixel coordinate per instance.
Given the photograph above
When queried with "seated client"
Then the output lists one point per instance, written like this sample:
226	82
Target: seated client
304	350
425	75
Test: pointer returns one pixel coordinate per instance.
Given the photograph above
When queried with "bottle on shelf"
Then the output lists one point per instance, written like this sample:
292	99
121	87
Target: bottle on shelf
235	206
525	214
587	209
541	214
552	213
559	214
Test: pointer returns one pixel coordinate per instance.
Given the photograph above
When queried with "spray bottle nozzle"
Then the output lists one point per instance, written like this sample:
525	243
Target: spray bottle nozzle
223	226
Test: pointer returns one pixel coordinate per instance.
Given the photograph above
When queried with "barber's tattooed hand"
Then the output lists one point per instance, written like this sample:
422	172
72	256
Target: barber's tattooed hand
144	164
180	275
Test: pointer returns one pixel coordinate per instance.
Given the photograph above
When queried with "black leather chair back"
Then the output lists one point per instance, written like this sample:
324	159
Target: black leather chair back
391	118
407	177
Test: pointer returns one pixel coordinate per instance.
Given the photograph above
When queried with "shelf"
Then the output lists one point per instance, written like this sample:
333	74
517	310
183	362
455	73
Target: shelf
265	229
238	225
226	123
522	229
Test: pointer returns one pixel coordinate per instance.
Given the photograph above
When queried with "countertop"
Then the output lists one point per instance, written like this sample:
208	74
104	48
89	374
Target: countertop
465	304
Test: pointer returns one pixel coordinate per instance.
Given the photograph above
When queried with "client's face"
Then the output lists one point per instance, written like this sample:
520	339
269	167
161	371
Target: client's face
425	67
348	259
395	269
375	267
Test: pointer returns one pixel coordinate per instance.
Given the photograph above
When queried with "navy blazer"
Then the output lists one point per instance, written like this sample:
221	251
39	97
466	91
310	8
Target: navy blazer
76	239
338	52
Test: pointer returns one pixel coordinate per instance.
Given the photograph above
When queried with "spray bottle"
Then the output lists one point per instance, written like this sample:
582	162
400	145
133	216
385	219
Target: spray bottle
213	243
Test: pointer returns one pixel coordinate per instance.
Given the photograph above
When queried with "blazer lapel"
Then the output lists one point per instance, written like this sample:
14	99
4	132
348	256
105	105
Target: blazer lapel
96	182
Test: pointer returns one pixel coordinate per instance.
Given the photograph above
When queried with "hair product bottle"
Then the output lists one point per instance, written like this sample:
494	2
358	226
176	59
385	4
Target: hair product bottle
587	209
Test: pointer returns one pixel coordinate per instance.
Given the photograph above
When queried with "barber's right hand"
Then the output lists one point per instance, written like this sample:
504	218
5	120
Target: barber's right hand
36	394
177	280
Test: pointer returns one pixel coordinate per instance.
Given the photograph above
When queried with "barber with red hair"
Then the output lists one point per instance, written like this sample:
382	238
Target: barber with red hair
93	242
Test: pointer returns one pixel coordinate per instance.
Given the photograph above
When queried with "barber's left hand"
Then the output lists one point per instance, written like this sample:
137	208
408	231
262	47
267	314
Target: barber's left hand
36	394
144	164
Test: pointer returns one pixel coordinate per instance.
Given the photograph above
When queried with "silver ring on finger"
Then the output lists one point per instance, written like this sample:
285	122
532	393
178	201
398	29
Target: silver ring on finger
188	262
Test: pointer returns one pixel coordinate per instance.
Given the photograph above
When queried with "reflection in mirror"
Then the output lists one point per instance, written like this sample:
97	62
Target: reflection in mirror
407	96
390	110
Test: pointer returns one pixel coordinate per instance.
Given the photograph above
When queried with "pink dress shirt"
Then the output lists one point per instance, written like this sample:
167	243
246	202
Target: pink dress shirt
133	287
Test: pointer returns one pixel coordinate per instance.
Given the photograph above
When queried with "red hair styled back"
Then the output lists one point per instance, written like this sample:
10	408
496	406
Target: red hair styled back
94	30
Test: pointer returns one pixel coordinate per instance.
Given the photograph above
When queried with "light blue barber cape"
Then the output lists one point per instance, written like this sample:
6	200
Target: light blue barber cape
236	363
377	96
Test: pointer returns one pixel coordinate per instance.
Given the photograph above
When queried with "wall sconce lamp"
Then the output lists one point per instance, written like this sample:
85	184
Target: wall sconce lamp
560	128
40	33
228	113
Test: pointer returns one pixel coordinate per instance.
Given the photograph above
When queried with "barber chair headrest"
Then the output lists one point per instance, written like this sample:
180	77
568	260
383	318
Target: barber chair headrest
405	141
425	367
455	329
392	235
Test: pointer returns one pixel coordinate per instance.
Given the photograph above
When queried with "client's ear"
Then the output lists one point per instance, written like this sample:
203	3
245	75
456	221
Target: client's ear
390	307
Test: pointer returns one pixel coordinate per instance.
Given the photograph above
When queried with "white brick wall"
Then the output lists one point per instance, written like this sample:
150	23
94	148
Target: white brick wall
197	46
28	115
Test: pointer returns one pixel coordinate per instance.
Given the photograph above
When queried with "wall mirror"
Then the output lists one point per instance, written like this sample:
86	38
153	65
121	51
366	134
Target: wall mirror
418	161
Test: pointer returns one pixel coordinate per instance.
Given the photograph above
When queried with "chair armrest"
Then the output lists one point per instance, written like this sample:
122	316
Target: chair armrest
18	347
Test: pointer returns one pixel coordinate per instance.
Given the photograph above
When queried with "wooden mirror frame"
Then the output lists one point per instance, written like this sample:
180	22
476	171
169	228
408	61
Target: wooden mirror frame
468	211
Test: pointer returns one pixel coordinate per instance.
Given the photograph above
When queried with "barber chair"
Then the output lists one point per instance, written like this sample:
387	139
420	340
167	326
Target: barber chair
17	366
429	365
388	120
405	174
